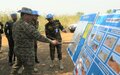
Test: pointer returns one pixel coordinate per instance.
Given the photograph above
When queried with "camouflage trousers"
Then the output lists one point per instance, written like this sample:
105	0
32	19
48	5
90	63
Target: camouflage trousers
27	62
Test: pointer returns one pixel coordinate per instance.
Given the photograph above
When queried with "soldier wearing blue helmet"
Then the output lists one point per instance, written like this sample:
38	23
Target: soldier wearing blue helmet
49	16
52	30
8	33
35	23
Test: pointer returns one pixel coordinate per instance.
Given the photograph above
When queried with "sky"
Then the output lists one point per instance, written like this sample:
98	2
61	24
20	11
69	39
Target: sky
60	6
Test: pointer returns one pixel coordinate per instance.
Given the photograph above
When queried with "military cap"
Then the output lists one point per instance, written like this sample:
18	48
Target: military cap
25	10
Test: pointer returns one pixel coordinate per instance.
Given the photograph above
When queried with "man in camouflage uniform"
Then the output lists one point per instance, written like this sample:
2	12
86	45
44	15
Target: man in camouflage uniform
8	33
24	35
1	32
52	29
35	23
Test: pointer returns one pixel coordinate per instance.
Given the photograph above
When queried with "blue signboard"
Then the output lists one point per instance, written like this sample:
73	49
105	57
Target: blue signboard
88	17
100	55
80	34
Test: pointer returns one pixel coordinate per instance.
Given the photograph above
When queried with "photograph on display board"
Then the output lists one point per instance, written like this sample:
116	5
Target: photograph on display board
103	54
79	71
87	62
80	66
99	36
94	46
77	35
117	48
84	56
114	63
82	51
79	30
91	37
110	41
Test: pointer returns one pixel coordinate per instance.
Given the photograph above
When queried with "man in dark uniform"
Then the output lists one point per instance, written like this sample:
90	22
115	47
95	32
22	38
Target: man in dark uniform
1	32
35	23
52	30
8	33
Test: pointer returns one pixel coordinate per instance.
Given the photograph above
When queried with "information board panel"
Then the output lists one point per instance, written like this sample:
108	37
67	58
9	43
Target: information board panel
80	34
100	55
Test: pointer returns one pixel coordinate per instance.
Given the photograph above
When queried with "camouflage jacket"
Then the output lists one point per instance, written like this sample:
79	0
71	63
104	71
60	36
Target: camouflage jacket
52	30
24	35
35	24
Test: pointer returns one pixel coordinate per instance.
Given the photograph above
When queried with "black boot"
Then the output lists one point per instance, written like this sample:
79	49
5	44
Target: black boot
36	60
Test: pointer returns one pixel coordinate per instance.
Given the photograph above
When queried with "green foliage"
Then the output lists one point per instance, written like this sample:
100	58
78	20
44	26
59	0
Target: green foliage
65	20
109	11
4	18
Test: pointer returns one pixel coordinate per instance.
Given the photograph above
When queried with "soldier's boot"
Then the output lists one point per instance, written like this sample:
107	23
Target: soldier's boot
61	65
28	71
52	64
14	72
35	70
10	61
36	60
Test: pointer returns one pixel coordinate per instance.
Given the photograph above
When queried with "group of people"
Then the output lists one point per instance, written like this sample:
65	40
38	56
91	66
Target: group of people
23	34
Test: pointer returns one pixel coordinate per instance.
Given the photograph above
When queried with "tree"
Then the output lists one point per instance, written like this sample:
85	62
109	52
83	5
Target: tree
80	13
109	11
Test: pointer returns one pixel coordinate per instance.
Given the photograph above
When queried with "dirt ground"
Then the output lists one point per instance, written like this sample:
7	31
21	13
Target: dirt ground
44	58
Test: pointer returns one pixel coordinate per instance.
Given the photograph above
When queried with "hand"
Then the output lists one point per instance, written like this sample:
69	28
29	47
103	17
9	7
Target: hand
54	42
64	31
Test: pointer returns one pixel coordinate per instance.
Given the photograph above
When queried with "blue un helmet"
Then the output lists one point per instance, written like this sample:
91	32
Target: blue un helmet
34	12
13	14
49	16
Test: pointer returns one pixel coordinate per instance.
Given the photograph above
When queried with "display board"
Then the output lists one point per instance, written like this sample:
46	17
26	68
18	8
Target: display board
80	34
100	55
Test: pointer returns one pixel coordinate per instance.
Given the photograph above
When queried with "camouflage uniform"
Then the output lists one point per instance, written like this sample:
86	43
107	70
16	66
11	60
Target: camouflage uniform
35	24
52	31
8	33
1	32
24	35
